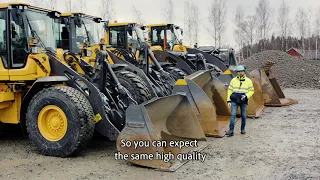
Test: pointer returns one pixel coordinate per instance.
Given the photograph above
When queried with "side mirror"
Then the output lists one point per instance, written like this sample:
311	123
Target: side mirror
105	25
77	21
67	23
13	29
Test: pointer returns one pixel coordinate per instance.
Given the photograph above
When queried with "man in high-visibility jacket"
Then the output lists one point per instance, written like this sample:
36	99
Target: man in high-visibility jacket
239	91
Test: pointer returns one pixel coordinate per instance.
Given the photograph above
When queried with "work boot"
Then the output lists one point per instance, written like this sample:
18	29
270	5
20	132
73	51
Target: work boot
243	132
230	134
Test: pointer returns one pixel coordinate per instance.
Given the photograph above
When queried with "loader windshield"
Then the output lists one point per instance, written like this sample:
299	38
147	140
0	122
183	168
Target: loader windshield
177	36
136	37
41	24
85	32
161	34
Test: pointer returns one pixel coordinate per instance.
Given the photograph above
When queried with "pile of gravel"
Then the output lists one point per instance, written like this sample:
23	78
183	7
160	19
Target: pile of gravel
290	72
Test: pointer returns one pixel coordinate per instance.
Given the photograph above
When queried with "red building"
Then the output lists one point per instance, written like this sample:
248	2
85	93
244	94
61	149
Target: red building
295	52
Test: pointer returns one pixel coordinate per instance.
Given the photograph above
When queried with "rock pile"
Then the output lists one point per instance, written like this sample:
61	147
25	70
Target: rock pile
291	72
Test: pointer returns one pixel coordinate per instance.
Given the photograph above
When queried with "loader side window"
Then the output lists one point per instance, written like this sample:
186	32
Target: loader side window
157	36
19	45
3	39
117	37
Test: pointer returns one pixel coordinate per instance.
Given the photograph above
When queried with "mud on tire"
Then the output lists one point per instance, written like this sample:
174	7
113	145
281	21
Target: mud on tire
79	115
135	85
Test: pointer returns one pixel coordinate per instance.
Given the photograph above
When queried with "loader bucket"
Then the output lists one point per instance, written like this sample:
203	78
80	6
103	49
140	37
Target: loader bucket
161	120
271	91
207	95
208	104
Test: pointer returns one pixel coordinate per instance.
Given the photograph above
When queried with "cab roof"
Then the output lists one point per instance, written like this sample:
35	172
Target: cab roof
154	25
120	24
6	5
67	14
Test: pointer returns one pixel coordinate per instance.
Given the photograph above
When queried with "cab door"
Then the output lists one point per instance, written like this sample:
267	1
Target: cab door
22	68
4	64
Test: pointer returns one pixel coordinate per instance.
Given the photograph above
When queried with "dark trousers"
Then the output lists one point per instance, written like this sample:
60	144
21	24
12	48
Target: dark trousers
234	108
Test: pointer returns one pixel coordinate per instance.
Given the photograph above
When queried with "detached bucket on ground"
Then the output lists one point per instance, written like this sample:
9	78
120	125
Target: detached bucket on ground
271	91
161	120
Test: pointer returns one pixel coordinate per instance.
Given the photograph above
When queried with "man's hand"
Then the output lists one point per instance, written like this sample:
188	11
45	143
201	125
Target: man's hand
243	97
229	104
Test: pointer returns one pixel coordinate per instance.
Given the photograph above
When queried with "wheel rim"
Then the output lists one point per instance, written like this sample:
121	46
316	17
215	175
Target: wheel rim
52	123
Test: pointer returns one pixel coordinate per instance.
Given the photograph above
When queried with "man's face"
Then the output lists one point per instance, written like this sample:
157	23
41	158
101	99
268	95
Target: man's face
240	73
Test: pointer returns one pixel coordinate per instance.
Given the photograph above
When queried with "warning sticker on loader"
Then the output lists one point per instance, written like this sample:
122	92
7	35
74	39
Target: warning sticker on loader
166	151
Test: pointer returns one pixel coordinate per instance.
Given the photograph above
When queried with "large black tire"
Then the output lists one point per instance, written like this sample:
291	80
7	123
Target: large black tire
79	115
175	73
2	128
135	85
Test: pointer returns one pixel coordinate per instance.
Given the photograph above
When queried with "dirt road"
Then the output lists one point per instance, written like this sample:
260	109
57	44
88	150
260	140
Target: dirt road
283	144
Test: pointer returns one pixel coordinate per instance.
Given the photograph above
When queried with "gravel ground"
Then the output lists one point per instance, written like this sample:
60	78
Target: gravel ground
283	144
291	72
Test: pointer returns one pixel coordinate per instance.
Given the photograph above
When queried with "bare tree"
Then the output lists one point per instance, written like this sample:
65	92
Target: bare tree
309	30
138	15
317	23
38	3
263	14
188	21
69	5
239	31
107	10
249	30
52	4
283	23
49	4
317	29
301	19
195	22
217	18
80	6
168	11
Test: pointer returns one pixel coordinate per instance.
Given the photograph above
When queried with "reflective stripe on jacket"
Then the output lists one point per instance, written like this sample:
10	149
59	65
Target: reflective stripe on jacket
240	85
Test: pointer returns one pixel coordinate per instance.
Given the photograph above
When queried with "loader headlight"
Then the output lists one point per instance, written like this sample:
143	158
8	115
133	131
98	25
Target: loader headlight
35	50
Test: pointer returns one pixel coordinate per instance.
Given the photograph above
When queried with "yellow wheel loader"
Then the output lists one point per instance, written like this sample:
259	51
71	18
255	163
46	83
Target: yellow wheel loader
125	43
78	40
56	106
166	43
60	108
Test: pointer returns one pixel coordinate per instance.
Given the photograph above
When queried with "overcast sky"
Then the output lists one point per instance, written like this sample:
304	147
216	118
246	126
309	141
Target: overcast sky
152	12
